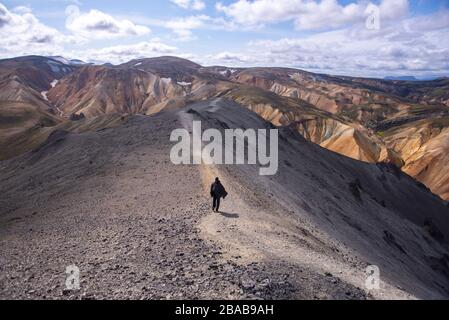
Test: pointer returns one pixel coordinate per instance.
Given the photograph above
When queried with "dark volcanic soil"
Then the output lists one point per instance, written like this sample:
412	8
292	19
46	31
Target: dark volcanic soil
112	203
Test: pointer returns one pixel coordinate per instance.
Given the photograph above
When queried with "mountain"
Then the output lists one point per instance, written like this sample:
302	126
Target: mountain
321	127
371	120
333	94
365	113
19	123
434	92
24	106
141	86
423	145
96	90
25	79
70	62
174	68
33	71
140	227
402	78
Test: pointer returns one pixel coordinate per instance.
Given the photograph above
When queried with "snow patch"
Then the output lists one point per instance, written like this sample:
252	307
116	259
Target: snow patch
44	95
67	62
227	72
54	83
138	64
55	67
58	67
182	83
61	113
61	59
166	80
294	76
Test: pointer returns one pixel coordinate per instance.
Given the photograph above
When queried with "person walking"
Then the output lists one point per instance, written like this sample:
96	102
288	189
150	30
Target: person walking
217	191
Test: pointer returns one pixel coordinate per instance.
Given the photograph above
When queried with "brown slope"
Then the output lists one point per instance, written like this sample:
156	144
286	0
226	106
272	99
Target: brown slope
29	135
424	146
35	72
24	109
324	92
26	79
358	107
96	90
177	69
19	124
144	86
368	110
14	90
423	92
330	131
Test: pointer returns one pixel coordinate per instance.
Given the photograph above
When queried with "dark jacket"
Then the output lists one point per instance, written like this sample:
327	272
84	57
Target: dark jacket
217	190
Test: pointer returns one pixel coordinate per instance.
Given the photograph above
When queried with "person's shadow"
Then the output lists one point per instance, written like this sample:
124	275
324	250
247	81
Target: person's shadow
229	215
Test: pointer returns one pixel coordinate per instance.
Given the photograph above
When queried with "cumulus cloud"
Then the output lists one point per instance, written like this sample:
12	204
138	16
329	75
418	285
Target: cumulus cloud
340	43
123	53
5	16
190	4
183	26
307	14
21	33
439	20
227	57
99	25
414	46
22	10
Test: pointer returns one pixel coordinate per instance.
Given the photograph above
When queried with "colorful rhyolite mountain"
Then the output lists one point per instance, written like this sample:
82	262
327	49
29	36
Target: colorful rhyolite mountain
401	122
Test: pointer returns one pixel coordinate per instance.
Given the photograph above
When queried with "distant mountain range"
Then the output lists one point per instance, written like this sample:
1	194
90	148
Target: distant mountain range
402	78
412	78
372	120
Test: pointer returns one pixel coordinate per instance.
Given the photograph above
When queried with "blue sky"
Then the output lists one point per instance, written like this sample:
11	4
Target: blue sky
377	38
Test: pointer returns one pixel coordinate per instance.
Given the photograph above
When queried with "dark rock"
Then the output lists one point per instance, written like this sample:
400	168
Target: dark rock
66	292
432	229
355	188
391	240
76	117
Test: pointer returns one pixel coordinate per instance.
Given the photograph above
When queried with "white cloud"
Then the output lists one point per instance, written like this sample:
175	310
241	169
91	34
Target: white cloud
403	46
183	27
123	53
227	57
99	25
21	33
307	14
393	9
190	4
21	10
439	20
414	46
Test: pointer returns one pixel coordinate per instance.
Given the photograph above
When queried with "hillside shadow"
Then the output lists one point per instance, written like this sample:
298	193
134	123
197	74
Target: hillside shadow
229	215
